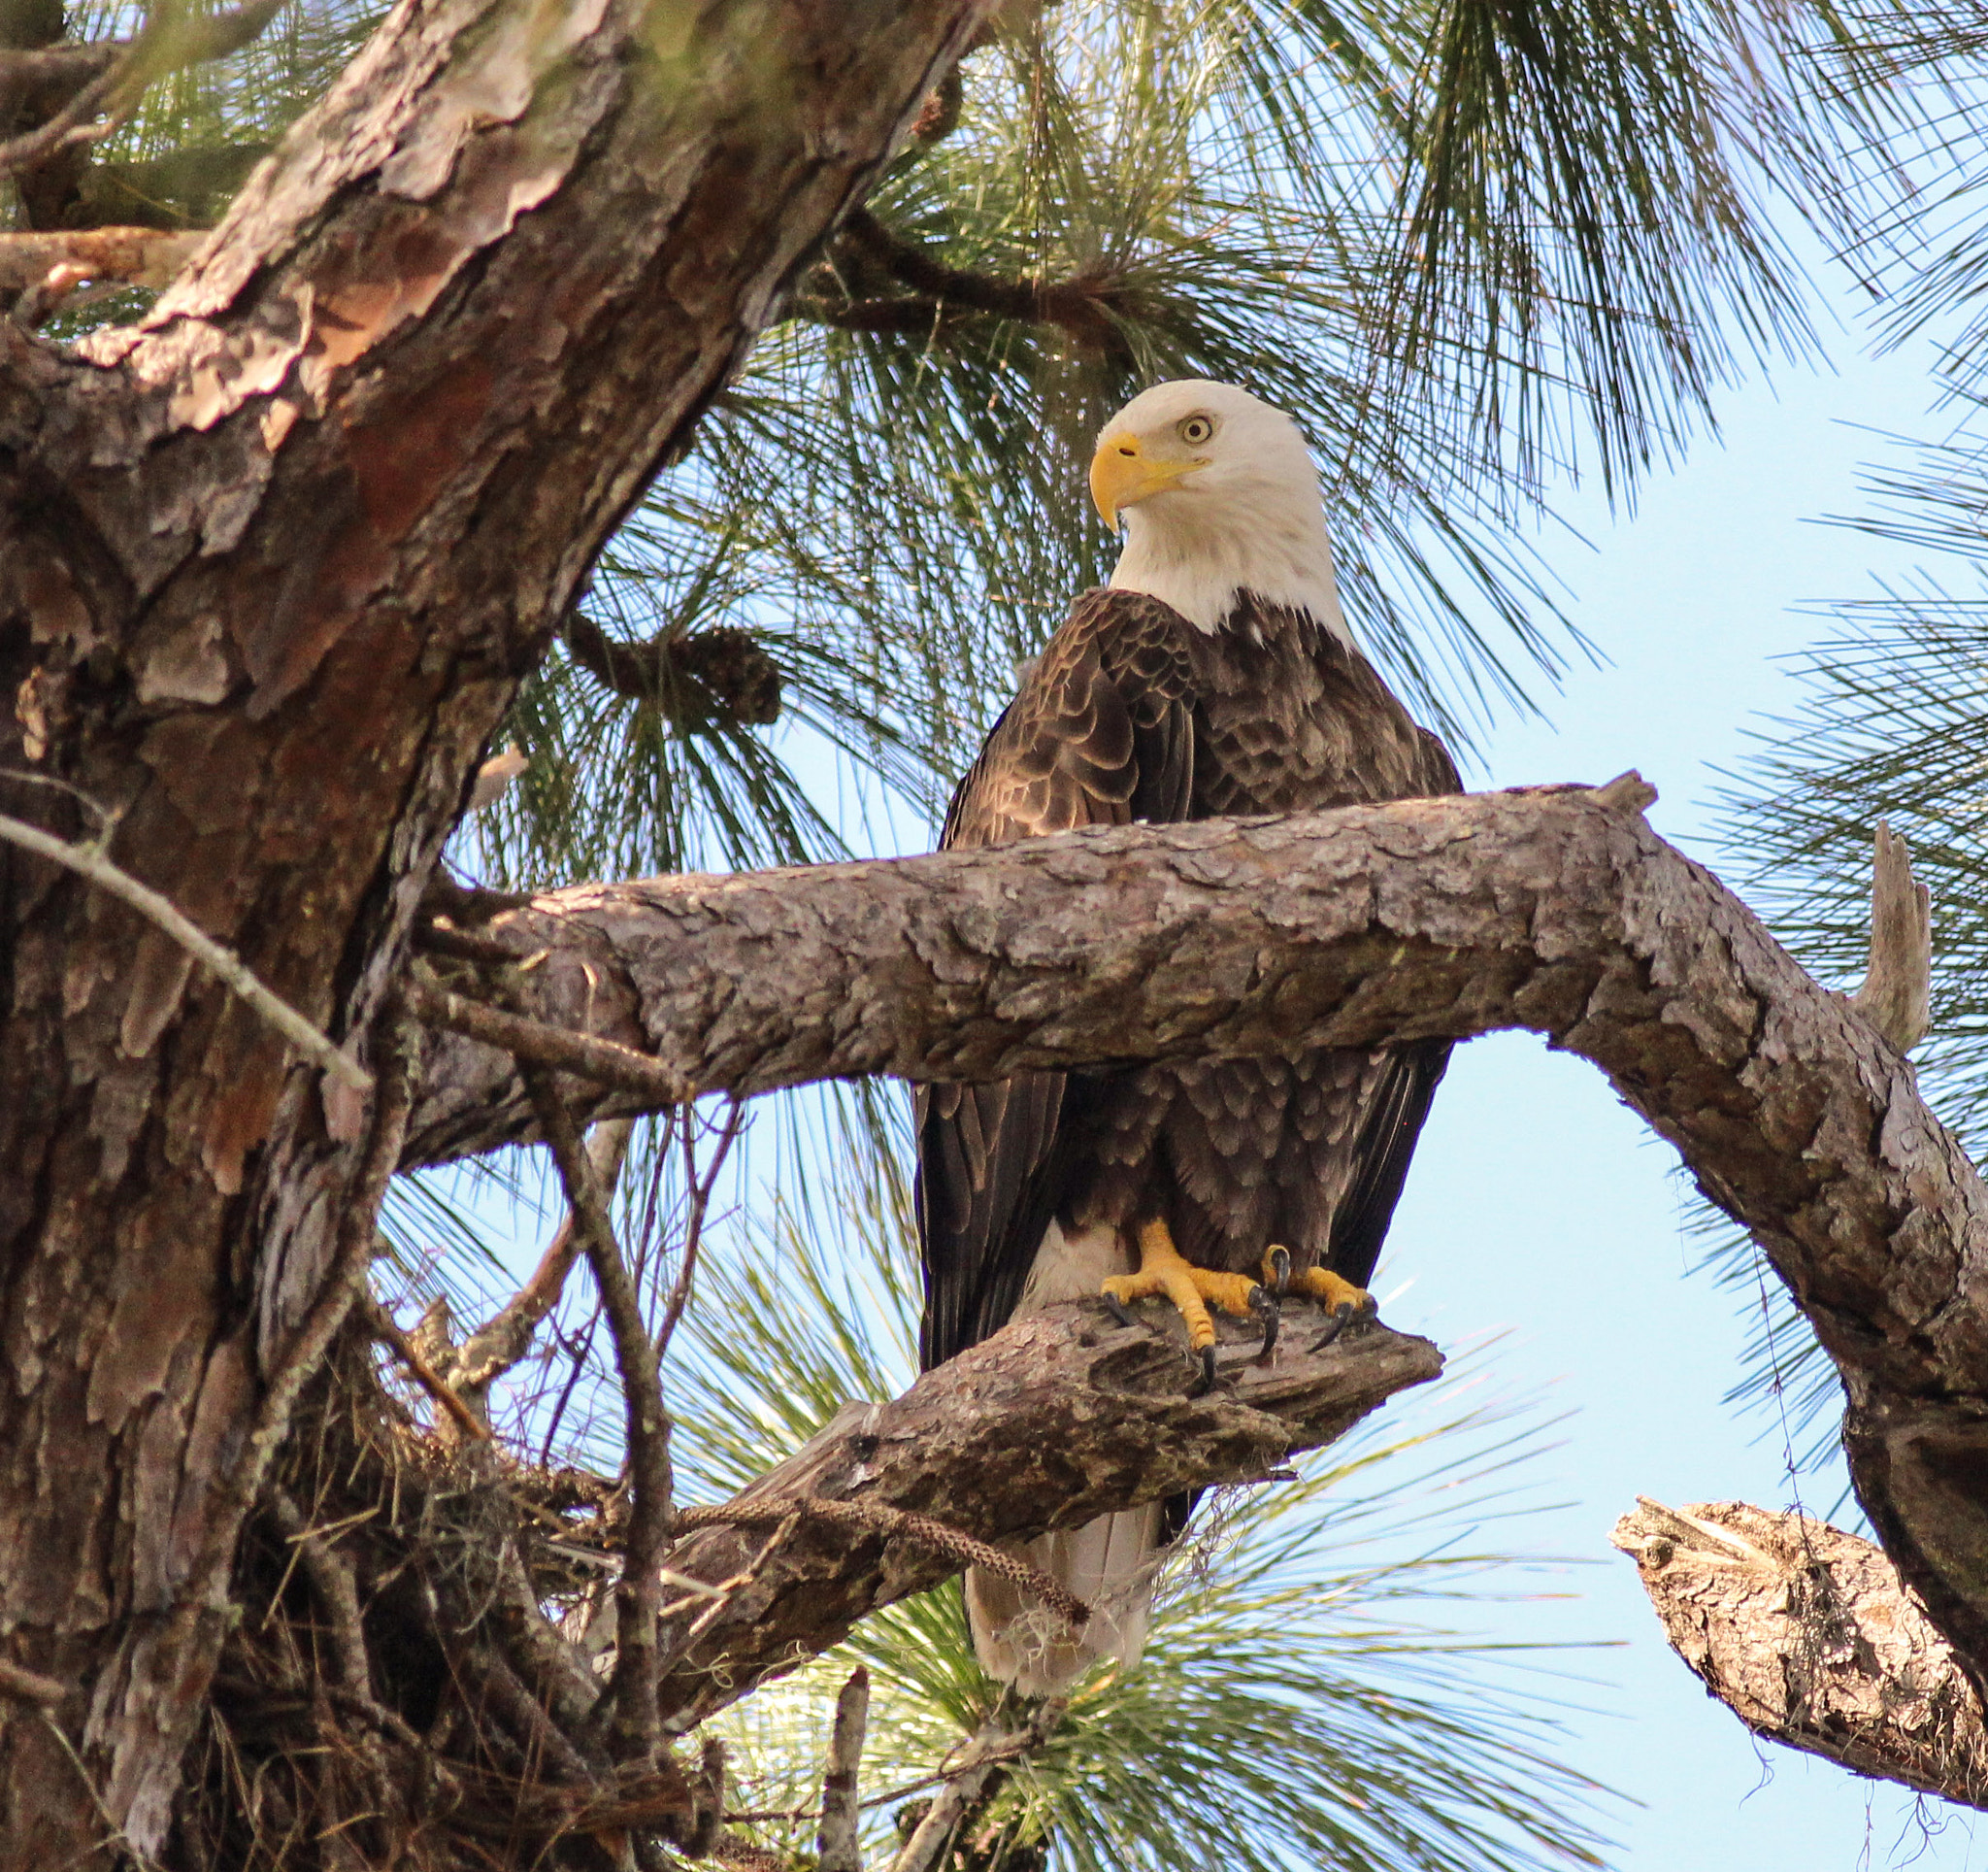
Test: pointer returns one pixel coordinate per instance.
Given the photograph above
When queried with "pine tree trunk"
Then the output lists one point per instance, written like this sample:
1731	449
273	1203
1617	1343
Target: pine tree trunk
270	571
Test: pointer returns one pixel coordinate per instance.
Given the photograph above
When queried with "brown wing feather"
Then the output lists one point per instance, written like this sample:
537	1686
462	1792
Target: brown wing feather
1101	734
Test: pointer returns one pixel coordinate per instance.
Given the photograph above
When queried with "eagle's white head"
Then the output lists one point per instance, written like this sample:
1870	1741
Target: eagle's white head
1216	492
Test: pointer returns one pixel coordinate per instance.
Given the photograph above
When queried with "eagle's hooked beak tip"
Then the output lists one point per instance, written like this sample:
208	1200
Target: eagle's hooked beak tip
1116	468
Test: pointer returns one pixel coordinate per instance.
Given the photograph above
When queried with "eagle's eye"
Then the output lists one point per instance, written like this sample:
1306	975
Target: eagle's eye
1196	430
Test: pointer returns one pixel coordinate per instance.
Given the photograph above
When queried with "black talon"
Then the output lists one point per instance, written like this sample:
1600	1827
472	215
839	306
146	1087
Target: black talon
1280	1266
1264	1303
1206	1383
1340	1316
1120	1312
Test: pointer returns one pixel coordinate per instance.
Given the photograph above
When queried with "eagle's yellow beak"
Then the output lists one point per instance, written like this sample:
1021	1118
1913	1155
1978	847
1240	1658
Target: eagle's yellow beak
1124	474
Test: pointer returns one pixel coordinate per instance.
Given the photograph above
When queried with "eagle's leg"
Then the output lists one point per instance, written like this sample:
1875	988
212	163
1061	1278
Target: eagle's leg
1340	1297
1161	1269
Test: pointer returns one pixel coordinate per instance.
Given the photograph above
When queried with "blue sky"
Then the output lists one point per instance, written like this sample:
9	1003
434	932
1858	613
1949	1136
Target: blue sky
1541	1207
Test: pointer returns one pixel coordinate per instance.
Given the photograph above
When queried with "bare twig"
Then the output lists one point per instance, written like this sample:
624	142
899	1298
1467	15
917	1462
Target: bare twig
1896	997
606	1062
380	1323
698	1205
502	1340
837	1845
633	1685
896	1523
576	1351
88	861
332	1578
30	1685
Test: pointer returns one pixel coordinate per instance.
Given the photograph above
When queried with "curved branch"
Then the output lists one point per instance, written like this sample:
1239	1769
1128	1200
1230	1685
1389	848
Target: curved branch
1558	911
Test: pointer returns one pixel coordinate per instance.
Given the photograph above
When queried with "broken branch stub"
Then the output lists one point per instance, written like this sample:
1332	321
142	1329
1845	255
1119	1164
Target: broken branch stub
1810	1637
1897	995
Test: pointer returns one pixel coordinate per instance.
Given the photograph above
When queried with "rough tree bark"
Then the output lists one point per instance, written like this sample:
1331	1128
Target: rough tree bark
1806	1635
270	569
1555	911
1056	1420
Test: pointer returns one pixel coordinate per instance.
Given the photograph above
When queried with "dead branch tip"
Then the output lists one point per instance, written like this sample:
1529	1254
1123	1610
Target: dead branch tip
1896	997
838	1845
1626	795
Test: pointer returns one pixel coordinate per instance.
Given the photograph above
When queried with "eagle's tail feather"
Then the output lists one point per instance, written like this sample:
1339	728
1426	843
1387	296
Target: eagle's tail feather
1108	1564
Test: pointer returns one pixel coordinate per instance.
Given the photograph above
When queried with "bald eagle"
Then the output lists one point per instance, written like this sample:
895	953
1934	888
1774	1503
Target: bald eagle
1214	676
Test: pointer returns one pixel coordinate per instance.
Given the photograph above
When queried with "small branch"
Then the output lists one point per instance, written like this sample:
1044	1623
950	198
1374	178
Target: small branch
503	1340
1806	1634
88	861
140	256
1057	1418
30	1685
838	1846
337	1591
606	1062
699	1205
171	40
895	1523
992	1747
1896	997
634	1685
382	1325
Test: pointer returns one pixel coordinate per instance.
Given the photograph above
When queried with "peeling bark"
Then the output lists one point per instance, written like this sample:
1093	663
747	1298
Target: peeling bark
1806	1634
270	567
1557	910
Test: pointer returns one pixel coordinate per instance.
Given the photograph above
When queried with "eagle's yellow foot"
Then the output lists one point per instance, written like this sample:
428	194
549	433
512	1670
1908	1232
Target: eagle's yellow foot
1163	1270
1340	1297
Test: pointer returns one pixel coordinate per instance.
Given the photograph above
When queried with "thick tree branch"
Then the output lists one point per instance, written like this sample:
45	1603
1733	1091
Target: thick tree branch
1558	911
1057	1418
1806	1634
